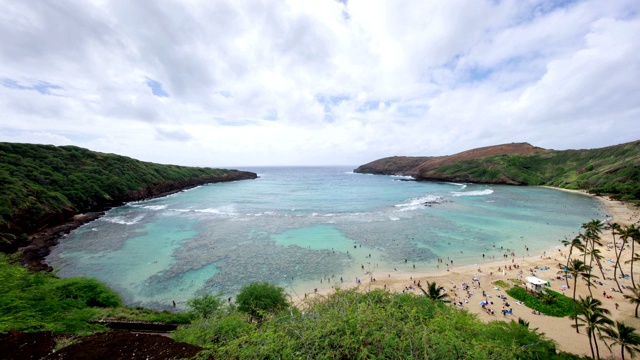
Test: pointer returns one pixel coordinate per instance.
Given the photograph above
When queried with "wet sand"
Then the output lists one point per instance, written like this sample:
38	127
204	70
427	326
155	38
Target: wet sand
489	271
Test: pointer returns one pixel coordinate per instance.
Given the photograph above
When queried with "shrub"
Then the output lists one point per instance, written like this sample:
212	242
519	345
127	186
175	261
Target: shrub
259	298
206	305
379	324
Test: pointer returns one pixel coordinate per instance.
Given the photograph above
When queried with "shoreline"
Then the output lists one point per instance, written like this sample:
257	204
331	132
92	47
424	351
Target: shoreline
42	241
543	265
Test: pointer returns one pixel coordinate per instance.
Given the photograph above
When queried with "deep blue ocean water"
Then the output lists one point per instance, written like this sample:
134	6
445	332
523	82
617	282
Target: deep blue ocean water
297	225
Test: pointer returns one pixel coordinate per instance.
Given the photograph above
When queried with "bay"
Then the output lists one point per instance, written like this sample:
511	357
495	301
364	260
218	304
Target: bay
298	226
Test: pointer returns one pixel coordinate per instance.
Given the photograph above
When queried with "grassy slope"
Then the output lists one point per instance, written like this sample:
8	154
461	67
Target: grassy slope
41	185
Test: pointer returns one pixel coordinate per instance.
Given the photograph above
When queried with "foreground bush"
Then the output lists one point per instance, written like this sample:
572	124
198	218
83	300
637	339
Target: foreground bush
377	324
33	302
41	302
261	298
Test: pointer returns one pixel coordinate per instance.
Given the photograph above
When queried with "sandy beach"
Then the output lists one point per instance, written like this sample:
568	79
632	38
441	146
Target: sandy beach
558	329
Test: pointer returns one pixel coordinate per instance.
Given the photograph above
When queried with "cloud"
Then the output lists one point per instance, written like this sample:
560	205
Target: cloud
173	135
330	82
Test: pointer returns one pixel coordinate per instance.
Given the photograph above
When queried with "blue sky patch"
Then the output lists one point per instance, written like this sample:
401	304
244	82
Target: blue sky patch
42	87
156	88
272	115
369	105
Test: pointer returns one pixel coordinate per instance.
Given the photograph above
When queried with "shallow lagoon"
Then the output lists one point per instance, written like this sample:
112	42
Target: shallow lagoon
296	226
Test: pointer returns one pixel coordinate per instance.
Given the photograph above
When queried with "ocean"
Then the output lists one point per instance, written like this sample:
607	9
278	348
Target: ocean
309	227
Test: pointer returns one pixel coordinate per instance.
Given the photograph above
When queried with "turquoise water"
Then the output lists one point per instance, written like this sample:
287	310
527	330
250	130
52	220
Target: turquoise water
297	226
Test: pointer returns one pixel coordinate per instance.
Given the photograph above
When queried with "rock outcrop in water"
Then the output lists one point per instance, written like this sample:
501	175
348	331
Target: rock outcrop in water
612	170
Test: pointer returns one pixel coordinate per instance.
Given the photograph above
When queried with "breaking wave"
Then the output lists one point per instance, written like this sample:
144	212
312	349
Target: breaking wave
472	193
123	220
417	203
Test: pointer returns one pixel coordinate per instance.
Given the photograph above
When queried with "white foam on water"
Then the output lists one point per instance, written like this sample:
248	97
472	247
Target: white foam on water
224	211
402	177
155	207
210	211
472	193
462	186
418	203
123	220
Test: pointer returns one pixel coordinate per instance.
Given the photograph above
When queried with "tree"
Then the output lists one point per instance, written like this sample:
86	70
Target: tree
630	232
435	292
206	305
623	336
592	231
575	268
593	317
634	298
615	229
259	298
595	254
575	243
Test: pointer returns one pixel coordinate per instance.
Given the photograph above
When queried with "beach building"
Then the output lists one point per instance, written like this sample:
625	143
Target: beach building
535	284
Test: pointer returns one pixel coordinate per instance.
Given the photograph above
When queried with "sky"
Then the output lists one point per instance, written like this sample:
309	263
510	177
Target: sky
317	82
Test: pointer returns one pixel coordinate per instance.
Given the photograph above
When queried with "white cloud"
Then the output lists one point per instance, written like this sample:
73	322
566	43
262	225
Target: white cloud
250	83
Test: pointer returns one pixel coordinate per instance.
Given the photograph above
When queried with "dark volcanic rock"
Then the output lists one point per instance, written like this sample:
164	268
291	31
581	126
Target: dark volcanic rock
113	345
16	345
116	345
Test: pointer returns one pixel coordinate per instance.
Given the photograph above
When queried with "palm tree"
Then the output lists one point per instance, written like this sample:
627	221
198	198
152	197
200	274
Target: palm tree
594	253
623	336
630	232
634	298
615	229
592	231
435	292
593	228
594	318
575	243
576	268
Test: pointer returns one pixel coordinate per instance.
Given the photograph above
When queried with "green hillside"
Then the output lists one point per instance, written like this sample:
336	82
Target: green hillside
43	185
612	170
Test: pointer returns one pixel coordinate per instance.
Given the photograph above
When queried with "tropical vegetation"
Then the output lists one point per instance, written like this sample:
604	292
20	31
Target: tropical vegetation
42	185
41	302
613	170
555	304
378	324
588	312
623	336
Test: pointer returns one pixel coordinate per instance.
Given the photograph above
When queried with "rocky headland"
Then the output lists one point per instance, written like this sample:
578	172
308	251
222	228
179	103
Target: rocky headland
425	168
613	170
